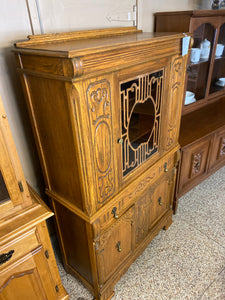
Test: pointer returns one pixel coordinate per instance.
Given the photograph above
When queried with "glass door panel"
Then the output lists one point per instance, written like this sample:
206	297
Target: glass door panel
140	118
218	74
4	195
197	74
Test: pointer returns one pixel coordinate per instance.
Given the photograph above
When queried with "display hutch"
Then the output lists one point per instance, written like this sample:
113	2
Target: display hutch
105	111
202	132
28	268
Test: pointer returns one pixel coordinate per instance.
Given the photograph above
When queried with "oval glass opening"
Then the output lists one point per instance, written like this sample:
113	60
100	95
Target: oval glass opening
141	123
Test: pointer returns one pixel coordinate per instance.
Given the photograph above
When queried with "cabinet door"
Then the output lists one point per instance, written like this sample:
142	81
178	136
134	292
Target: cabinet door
216	85
13	188
194	164
204	29
161	197
217	157
115	245
27	278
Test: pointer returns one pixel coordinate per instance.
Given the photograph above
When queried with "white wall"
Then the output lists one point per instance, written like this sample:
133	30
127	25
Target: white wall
56	16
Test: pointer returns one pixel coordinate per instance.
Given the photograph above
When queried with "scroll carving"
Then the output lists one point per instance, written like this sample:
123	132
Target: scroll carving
100	117
173	108
77	67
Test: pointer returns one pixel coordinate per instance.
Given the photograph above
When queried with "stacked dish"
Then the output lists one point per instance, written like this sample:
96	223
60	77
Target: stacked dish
189	98
221	82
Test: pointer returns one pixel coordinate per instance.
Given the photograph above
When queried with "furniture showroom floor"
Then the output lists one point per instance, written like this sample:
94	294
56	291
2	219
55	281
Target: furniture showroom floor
185	262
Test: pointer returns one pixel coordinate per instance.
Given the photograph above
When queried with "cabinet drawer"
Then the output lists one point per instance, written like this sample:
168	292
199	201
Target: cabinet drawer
194	164
217	157
18	247
115	245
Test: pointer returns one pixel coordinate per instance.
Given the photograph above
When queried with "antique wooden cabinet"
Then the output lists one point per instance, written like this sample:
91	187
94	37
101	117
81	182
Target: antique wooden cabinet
28	268
202	132
105	111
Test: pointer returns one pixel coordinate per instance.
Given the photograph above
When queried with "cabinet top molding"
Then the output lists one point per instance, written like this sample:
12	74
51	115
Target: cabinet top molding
75	44
194	13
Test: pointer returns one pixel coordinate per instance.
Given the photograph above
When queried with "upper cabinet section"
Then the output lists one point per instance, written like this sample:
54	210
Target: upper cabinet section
205	78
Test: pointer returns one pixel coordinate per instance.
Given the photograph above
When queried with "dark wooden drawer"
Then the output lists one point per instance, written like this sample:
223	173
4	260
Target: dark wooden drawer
115	245
194	164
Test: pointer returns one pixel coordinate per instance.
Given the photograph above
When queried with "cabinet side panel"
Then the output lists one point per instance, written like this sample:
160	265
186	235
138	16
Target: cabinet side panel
48	103
172	23
74	241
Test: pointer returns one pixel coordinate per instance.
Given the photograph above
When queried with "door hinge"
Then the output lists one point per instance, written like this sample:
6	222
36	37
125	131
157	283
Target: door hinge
20	186
124	16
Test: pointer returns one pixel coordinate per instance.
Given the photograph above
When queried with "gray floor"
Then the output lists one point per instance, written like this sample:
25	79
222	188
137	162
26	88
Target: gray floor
185	262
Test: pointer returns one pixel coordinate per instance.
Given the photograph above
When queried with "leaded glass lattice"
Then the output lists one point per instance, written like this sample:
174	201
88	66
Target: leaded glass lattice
140	118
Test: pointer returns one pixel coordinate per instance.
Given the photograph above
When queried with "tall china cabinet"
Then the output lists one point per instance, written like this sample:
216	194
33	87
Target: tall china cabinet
202	132
28	268
105	111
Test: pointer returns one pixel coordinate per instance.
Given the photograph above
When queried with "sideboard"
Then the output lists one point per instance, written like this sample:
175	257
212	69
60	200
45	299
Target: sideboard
105	110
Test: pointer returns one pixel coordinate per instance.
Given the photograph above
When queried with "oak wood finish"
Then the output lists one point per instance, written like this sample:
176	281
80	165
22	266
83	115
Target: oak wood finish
28	268
203	122
107	207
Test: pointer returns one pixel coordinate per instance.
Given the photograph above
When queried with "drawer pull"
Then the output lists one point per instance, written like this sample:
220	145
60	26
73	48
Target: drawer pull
6	256
120	141
114	213
118	247
165	167
160	201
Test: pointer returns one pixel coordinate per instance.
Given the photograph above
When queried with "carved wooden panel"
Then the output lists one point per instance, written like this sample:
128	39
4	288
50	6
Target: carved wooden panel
140	118
174	107
114	246
196	163
100	117
222	147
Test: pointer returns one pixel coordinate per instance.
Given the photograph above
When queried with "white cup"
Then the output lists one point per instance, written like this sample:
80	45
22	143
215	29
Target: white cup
219	49
195	55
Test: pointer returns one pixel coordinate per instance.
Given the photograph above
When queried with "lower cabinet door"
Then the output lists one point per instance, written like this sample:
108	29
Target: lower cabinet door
115	245
27	279
217	157
161	197
193	164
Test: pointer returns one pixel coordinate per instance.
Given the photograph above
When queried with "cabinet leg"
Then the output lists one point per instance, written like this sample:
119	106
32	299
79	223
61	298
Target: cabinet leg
168	223
105	295
175	205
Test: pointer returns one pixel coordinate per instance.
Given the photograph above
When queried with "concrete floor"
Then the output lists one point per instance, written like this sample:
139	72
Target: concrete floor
185	262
